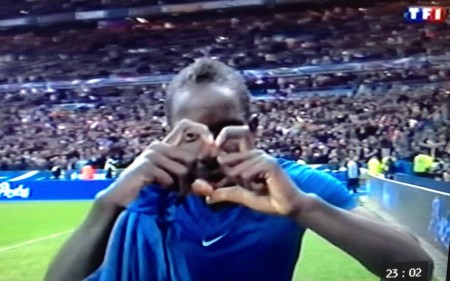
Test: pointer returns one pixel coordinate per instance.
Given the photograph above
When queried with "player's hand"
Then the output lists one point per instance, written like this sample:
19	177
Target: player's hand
261	183
166	163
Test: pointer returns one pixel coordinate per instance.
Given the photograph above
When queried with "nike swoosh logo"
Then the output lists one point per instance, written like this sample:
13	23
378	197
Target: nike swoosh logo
208	243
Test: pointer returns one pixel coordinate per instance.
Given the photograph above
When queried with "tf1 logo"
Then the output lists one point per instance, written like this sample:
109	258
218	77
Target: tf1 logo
430	14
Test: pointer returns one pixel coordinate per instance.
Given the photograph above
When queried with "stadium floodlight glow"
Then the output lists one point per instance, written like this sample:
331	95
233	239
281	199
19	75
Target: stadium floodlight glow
142	20
93	81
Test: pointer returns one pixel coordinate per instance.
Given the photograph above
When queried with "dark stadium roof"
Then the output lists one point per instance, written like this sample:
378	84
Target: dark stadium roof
16	9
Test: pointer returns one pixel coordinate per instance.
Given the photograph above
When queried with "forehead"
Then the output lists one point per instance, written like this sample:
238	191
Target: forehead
209	104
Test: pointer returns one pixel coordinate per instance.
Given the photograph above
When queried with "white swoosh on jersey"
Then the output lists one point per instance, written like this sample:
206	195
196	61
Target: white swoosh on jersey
208	243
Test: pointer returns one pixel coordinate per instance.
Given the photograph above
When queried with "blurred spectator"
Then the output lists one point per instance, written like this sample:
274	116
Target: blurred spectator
110	168
352	175
389	168
88	172
374	166
333	164
423	164
56	172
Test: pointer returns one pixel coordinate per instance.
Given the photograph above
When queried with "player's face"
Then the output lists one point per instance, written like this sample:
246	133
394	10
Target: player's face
216	107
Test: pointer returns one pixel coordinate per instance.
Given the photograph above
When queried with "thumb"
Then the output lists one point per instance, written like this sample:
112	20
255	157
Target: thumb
230	194
202	188
235	194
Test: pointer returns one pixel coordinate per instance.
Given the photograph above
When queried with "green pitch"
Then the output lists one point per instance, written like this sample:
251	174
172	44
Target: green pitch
31	233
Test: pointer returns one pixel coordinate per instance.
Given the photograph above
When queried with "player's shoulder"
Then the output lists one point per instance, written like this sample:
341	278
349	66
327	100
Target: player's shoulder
320	183
307	178
295	169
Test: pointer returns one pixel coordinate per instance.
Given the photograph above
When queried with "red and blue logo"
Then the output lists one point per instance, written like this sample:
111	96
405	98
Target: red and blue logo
431	14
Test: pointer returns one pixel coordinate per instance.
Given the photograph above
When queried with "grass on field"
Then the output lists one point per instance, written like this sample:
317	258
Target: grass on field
23	222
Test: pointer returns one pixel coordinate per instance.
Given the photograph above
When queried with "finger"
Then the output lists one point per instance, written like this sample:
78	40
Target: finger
172	167
233	194
180	176
188	131
162	177
239	195
233	159
241	133
202	188
254	175
261	192
174	153
237	171
259	186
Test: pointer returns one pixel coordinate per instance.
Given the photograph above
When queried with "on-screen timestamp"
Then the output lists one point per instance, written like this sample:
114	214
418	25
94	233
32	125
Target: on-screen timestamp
407	271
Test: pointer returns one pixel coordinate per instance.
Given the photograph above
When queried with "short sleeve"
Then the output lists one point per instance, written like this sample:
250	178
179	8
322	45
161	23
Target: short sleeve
320	183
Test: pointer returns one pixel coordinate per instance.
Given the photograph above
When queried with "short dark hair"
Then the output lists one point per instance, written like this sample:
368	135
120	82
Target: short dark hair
207	70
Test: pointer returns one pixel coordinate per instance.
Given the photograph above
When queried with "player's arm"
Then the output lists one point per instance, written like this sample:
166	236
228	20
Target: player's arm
370	241
83	253
265	187
163	163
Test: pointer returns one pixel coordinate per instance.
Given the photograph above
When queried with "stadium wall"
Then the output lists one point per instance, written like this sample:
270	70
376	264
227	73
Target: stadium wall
39	185
425	211
51	190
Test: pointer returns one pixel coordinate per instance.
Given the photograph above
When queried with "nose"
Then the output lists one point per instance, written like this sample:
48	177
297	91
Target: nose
210	163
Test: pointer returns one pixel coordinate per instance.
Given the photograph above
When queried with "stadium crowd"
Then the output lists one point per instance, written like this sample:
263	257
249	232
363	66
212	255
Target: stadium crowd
266	38
69	128
74	127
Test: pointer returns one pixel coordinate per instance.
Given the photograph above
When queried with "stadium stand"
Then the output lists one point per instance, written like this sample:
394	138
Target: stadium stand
24	8
383	112
264	39
116	123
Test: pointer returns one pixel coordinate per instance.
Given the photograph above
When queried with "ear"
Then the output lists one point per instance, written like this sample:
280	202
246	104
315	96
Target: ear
253	122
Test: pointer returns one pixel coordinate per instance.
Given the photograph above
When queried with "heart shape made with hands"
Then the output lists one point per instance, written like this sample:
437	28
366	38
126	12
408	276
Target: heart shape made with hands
197	137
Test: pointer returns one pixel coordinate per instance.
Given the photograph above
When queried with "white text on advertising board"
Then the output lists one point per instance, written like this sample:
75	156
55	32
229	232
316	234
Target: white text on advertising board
8	192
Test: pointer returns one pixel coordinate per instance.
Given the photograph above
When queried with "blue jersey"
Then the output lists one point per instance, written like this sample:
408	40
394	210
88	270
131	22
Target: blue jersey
160	238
